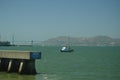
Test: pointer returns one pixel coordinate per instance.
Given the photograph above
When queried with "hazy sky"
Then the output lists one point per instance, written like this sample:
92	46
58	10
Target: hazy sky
43	19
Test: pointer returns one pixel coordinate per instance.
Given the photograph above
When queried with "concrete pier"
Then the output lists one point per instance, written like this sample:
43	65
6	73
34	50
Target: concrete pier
22	62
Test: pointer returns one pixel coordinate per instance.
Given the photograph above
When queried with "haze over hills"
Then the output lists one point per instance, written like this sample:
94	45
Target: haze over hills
82	41
70	41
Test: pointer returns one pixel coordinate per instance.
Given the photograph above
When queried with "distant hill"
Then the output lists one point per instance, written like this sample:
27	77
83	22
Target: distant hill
82	41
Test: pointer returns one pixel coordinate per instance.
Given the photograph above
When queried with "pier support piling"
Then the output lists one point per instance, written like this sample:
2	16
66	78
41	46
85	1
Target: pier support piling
9	65
20	67
27	67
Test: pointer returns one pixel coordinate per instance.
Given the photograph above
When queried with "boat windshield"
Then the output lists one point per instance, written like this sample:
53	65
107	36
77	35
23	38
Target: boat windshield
63	48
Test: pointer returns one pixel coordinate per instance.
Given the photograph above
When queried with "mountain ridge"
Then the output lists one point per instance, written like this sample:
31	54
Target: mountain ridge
82	41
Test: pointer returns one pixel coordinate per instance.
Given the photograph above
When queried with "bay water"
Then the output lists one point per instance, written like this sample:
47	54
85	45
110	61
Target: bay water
85	63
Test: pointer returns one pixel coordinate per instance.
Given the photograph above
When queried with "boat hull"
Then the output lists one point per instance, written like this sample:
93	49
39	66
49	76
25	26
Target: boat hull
71	50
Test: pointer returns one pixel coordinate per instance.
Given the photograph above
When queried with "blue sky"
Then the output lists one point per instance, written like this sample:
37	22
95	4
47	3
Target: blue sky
43	19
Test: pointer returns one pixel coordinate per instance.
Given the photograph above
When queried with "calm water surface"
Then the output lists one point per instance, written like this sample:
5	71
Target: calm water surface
85	63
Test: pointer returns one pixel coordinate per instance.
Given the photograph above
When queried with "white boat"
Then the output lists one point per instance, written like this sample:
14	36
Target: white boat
66	49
